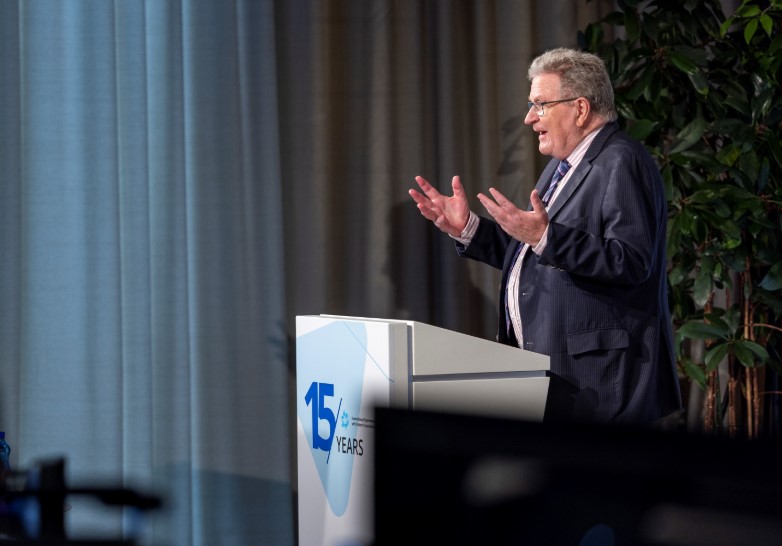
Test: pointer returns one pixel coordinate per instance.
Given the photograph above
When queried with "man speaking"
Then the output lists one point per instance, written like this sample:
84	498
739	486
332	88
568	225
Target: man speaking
584	268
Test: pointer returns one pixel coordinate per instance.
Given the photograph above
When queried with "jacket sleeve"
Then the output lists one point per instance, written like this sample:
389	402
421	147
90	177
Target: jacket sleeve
615	233
489	244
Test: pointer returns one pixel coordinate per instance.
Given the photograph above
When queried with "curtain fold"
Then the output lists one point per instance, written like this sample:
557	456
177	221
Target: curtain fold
377	92
143	274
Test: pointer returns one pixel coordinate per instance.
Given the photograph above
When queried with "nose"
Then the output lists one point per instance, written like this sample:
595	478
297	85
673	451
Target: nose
531	116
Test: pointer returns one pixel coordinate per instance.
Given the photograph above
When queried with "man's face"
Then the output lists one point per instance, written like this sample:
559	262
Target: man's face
558	134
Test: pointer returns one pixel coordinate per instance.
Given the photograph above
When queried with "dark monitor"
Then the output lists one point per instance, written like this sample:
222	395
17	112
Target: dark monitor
450	479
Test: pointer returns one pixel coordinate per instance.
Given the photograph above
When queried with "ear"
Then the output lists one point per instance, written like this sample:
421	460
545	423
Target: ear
583	111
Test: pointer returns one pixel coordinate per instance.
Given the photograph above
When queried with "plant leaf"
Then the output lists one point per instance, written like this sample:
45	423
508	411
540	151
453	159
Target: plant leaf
743	354
706	195
733	317
699	81
681	61
643	82
632	26
739	105
689	135
762	102
594	36
701	330
757	349
728	155
749	30
747	10
725	226
725	26
767	23
695	372
703	284
677	275
721	209
773	279
749	353
640	129
730	126
715	355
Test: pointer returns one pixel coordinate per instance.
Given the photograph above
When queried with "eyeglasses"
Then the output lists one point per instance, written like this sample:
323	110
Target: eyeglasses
540	106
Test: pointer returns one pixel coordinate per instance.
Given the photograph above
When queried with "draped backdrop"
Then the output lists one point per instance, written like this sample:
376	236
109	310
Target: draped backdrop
179	179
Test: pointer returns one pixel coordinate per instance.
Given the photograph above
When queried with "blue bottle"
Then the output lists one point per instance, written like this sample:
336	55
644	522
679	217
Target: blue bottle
5	453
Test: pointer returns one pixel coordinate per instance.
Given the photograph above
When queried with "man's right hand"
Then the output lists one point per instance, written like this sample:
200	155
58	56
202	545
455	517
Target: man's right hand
449	214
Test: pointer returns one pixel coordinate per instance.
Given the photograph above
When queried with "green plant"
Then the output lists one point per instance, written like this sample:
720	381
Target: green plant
702	91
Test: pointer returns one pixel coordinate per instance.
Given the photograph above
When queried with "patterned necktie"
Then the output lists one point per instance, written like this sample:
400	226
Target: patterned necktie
559	174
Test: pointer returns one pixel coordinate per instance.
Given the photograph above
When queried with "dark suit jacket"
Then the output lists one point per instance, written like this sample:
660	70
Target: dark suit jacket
596	300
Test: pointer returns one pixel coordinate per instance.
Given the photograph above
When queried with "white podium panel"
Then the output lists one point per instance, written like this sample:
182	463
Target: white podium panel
513	397
347	366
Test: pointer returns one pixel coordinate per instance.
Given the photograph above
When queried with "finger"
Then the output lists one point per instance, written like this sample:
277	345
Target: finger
427	188
501	199
418	197
488	204
536	202
428	212
458	189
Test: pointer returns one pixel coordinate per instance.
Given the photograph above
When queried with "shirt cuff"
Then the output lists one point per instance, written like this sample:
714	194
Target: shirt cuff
541	246
469	230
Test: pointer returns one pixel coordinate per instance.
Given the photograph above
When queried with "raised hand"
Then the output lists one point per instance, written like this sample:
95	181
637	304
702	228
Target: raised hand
522	225
449	214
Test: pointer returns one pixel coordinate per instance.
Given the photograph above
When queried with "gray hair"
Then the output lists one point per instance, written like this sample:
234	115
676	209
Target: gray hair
581	74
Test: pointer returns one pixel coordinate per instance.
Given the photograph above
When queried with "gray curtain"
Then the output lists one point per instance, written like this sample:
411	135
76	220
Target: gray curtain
179	179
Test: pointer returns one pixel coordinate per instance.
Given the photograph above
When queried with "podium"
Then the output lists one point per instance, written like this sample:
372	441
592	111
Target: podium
347	366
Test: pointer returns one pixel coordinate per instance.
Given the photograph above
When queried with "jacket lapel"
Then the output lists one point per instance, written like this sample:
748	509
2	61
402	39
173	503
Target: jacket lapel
581	172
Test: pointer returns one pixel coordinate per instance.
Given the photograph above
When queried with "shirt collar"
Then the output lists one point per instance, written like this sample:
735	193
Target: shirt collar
577	155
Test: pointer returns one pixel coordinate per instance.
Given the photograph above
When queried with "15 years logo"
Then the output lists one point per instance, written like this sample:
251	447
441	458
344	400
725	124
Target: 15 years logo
316	399
329	382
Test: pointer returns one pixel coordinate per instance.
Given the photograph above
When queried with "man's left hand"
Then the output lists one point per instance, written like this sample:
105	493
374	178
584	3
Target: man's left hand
525	226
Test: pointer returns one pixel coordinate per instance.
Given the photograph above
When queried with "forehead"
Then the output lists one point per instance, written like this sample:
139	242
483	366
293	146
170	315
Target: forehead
545	87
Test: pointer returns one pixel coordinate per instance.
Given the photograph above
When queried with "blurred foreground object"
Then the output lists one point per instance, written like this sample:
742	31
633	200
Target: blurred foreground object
33	505
5	453
466	480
